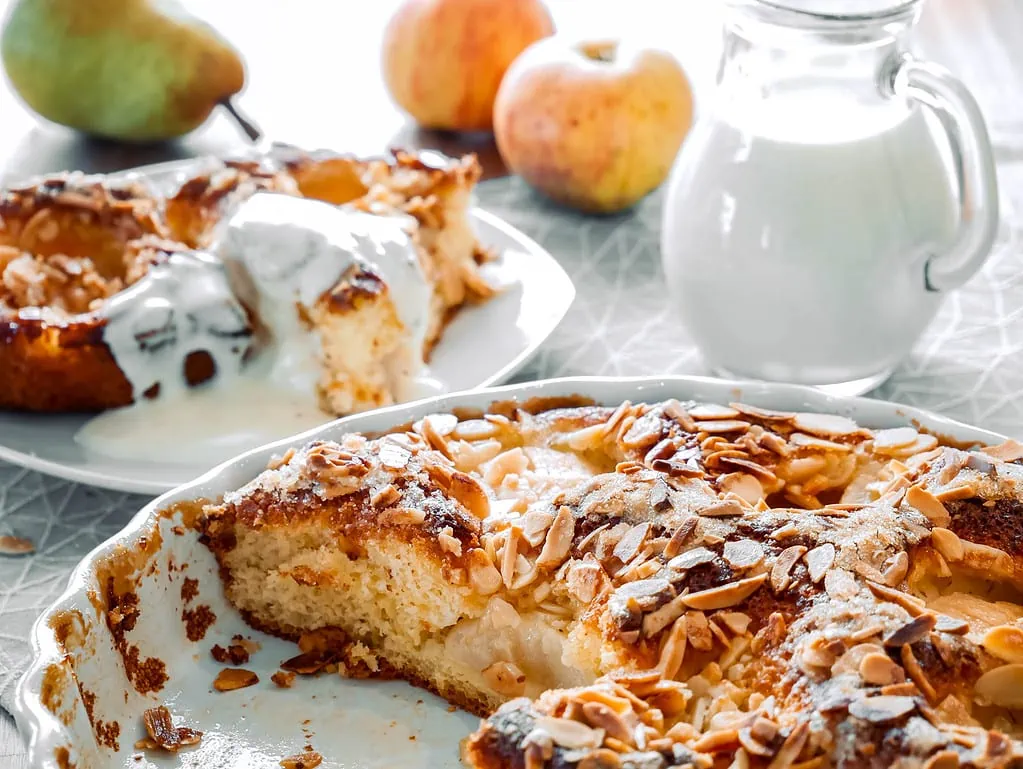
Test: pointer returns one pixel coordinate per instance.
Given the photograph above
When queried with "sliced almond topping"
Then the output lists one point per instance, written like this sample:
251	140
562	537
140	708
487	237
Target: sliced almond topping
674	650
912	605
804	441
559	539
791	748
673	410
753	745
505	678
723	509
308	760
583	579
743	554
509	555
947	543
840	584
894	438
819	560
1001	687
726	595
283	678
717	742
768	415
394	456
468	491
943	759
743	485
657	620
883	709
916	673
534	526
1009	451
570	734
11	545
952	625
679	537
448	542
691	559
1005	642
878	669
483	575
722	426
952	493
278	461
896	568
713	411
782	568
698	631
631	542
600	716
230	679
827	425
385	496
735	621
784	532
928	504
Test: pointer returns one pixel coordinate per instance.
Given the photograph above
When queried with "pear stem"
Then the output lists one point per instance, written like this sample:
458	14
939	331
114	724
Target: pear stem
250	128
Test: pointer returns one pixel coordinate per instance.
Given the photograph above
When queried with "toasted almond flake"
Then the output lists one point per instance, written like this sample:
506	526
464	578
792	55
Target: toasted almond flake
583	579
586	438
928	504
722	426
1005	642
894	438
877	669
840	584
717	742
943	759
819	560
952	493
505	678
283	678
674	650
570	734
947	543
660	618
698	631
308	760
827	425
559	539
691	559
162	732
791	748
676	469
674	411
912	605
534	526
483	575
680	535
782	568
723	509
735	621
768	415
804	441
896	568
385	496
448	542
724	596
784	532
1001	687
278	461
743	554
590	539
394	456
600	716
743	485
883	709
916	673
230	679
11	545
510	554
1009	451
952	625
712	411
631	542
402	516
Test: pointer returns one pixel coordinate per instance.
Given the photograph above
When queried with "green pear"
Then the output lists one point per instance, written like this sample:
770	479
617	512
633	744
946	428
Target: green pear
139	70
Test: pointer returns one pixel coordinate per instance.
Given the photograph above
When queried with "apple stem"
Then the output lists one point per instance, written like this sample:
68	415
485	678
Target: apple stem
247	125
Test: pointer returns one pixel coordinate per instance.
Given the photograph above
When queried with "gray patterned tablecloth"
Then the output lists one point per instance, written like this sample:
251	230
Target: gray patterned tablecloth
968	366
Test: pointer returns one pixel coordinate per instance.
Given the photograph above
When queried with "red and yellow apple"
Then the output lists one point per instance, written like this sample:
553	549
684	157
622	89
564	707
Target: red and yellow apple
595	126
444	59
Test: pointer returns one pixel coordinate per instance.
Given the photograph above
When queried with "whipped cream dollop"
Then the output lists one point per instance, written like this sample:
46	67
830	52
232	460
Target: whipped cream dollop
277	255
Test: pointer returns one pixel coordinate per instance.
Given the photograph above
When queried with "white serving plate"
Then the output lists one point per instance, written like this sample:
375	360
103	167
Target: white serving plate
352	724
483	345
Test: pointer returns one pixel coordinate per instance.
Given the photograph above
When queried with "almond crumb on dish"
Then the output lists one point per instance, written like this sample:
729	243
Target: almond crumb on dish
163	734
654	585
11	545
283	678
229	679
307	760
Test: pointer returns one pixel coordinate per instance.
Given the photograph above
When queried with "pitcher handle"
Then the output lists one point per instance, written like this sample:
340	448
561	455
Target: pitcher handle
936	88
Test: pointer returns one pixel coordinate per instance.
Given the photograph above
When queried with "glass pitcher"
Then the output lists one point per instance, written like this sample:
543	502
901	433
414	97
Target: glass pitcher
835	190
